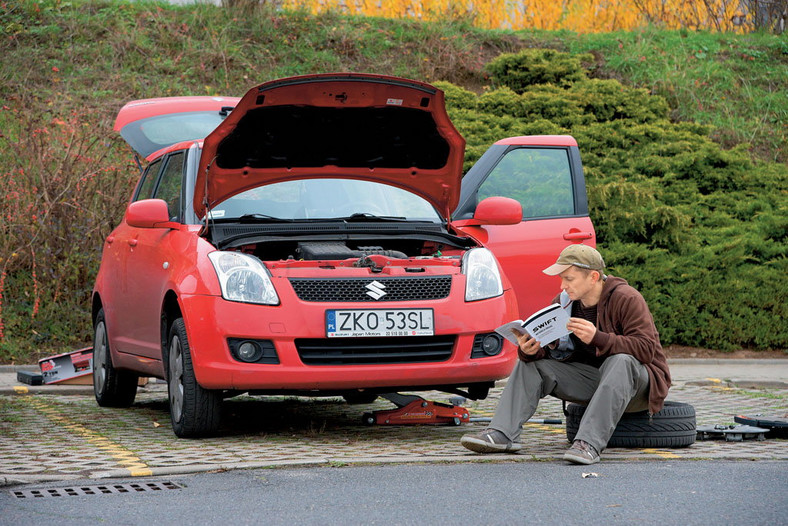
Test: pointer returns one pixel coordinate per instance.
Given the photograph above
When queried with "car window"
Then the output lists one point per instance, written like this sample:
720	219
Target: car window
326	198
169	187
540	178
145	190
154	133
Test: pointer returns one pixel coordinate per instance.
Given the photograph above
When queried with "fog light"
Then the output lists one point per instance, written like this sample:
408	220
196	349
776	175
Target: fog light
249	352
486	345
491	345
253	351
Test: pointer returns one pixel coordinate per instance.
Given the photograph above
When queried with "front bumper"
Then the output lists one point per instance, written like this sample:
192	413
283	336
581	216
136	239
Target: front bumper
211	320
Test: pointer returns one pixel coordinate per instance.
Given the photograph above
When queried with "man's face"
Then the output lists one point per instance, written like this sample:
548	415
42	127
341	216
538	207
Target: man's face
577	283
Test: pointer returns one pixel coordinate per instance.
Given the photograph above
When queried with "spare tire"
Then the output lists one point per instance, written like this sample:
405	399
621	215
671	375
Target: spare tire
674	426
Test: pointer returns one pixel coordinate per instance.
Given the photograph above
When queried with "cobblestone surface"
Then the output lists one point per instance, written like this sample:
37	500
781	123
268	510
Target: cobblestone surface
44	437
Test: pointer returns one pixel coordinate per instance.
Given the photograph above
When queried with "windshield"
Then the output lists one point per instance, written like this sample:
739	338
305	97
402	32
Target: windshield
326	199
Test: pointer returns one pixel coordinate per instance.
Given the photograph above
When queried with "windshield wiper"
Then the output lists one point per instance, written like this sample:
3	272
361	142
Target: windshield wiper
364	216
260	218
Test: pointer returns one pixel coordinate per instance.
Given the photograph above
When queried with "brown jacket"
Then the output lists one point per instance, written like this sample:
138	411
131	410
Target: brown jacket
625	326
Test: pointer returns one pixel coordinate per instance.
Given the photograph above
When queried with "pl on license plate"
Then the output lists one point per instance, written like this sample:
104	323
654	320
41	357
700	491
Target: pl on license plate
354	323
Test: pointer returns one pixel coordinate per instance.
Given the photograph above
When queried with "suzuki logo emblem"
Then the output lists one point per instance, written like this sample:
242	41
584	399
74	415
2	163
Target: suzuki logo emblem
375	290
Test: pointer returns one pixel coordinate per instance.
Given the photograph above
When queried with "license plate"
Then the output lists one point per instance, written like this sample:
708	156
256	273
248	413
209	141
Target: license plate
357	323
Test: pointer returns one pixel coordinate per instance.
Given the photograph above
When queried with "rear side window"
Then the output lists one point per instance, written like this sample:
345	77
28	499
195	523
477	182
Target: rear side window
169	188
154	133
539	178
148	181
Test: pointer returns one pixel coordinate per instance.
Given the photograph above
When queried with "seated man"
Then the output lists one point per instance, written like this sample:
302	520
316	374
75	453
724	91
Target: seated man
612	362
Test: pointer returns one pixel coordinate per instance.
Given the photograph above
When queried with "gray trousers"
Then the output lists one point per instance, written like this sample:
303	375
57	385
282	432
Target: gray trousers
620	385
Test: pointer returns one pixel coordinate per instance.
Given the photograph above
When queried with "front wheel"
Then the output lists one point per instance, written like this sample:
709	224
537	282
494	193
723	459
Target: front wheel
112	387
194	411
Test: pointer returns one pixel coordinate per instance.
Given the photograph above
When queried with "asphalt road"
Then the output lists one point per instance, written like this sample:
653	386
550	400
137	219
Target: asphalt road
686	493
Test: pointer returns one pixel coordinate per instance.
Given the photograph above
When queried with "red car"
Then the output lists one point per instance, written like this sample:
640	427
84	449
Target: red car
299	240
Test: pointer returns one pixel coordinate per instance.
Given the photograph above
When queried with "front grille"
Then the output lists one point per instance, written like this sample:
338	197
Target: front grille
354	289
358	351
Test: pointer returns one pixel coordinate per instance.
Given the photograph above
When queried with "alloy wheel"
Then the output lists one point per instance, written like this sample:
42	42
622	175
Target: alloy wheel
100	358
176	378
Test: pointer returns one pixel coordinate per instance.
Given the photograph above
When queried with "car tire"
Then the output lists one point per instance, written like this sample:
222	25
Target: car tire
673	426
112	387
194	411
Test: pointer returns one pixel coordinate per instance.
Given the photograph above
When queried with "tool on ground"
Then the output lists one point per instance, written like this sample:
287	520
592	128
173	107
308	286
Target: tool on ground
776	424
731	433
556	421
458	400
71	367
412	409
29	377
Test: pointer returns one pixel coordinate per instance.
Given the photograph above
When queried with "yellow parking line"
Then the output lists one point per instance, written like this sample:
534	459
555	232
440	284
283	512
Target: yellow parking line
124	457
552	429
660	453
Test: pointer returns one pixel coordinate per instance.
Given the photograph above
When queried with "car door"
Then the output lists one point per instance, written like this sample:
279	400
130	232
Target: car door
545	174
148	262
116	266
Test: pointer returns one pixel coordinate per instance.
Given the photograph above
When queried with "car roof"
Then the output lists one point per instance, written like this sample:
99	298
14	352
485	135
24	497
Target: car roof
539	140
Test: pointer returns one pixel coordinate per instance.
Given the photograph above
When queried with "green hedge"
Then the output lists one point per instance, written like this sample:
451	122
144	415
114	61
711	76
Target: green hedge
701	231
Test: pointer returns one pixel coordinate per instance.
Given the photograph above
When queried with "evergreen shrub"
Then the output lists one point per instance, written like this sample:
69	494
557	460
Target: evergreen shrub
519	71
700	230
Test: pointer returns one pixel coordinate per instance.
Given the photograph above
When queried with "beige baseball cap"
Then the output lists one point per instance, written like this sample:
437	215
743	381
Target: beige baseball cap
581	256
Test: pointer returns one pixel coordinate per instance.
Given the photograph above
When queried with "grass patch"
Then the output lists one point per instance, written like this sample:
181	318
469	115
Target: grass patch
734	83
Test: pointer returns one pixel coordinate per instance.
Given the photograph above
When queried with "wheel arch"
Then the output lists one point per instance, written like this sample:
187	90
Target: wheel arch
95	307
170	311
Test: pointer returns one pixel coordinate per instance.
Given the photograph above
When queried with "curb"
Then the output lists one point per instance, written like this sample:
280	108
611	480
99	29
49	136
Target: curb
17	480
73	390
15	368
728	361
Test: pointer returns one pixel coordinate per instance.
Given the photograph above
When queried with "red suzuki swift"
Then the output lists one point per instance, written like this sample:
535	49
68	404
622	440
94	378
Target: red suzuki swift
298	240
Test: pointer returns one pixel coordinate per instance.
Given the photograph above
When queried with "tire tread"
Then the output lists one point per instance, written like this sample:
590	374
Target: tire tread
120	387
201	412
673	426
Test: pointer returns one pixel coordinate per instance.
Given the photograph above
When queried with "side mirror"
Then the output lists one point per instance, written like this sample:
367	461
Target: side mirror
498	211
148	213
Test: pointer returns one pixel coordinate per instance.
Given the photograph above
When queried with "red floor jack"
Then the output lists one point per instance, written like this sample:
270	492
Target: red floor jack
412	409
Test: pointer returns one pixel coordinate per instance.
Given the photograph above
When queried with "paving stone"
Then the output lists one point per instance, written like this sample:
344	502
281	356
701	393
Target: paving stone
51	435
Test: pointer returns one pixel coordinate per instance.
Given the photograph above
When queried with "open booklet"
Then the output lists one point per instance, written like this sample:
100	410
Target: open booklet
545	325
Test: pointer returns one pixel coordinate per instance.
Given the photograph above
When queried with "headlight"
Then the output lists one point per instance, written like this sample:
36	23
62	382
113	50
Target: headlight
483	279
243	278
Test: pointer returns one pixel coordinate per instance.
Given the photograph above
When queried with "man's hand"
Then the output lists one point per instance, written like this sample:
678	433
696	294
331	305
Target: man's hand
583	329
528	345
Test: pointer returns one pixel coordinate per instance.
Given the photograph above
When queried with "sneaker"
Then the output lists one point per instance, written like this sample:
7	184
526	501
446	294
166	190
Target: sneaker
582	452
490	441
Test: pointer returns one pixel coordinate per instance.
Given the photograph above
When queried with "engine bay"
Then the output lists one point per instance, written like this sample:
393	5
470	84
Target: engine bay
344	250
337	241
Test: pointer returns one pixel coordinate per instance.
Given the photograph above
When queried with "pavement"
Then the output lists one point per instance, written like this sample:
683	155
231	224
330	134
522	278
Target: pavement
57	432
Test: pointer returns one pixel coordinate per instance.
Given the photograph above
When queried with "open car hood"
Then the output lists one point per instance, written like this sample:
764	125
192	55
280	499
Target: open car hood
360	126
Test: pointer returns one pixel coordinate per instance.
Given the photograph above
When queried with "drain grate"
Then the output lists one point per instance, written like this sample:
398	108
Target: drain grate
104	489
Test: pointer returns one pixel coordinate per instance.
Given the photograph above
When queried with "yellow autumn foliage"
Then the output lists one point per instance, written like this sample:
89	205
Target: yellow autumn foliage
582	16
